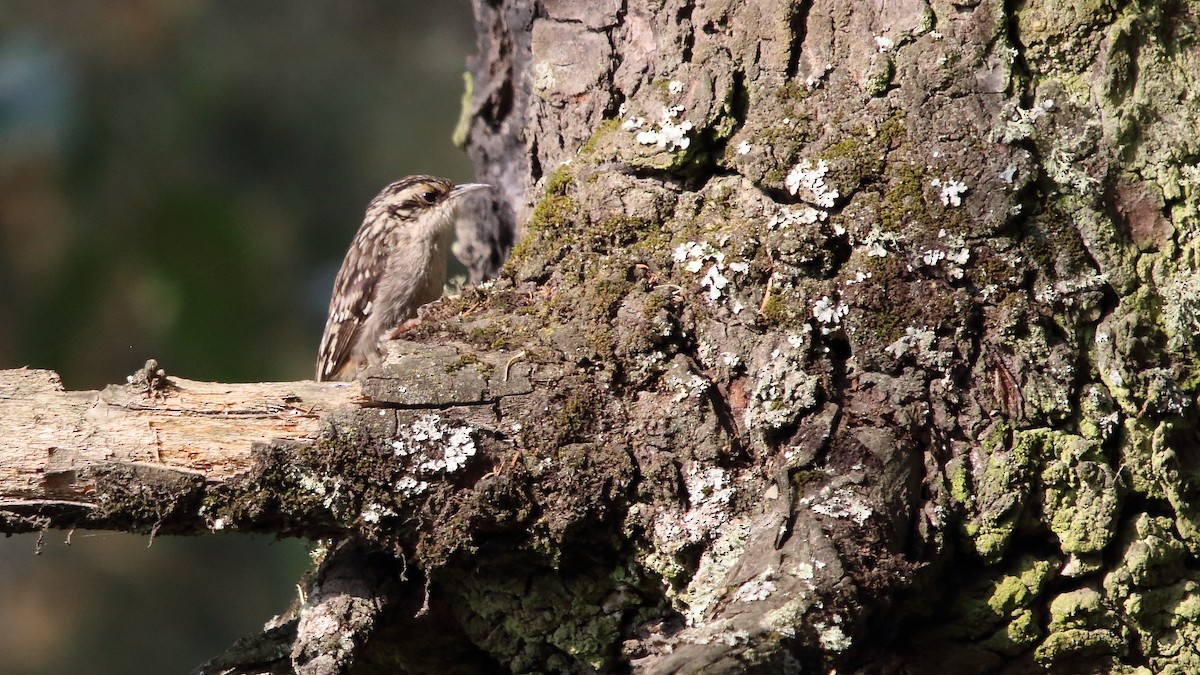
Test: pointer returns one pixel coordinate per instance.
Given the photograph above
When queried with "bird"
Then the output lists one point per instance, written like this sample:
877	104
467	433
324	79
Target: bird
395	264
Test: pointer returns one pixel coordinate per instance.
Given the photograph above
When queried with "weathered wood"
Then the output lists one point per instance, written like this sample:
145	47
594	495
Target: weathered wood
303	458
50	437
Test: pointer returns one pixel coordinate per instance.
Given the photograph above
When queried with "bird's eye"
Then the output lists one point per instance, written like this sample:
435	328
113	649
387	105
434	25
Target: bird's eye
429	196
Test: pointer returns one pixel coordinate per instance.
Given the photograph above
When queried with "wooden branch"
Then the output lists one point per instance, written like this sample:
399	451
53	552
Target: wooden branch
47	434
192	454
55	445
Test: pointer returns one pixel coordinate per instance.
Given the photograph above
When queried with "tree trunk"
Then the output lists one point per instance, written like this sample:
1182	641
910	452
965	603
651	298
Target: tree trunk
838	336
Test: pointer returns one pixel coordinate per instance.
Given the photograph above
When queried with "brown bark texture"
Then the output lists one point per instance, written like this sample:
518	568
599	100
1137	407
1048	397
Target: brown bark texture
854	336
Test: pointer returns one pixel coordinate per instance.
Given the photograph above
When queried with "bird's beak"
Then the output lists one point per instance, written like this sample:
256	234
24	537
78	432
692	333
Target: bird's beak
465	188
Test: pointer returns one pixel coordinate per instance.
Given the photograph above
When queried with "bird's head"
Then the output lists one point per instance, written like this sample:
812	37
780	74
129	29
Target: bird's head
426	205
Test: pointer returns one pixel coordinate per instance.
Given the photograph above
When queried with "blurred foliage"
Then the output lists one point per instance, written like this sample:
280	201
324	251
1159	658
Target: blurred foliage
113	603
179	180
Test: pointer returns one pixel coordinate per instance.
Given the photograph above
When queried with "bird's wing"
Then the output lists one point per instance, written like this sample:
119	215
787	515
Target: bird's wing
353	298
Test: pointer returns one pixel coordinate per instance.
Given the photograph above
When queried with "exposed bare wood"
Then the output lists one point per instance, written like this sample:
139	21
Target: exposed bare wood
49	437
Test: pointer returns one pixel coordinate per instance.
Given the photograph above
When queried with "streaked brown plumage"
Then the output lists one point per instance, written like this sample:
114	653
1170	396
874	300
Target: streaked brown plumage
396	263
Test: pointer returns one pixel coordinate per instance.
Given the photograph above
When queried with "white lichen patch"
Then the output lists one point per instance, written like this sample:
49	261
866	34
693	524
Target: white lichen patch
669	134
372	513
411	487
1022	122
805	571
714	281
877	243
708	586
920	345
951	255
1181	310
1189	177
1064	292
693	386
833	638
328	489
1163	395
756	590
651	361
1063	167
308	482
436	447
327	631
829	312
782	391
649	364
707	518
858	278
709	492
795	216
808	183
1099	417
932	257
697	256
694	254
841	503
743	148
1115	378
951	191
913	338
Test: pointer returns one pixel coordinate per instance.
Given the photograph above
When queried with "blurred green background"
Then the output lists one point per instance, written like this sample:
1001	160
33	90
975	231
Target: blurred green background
179	180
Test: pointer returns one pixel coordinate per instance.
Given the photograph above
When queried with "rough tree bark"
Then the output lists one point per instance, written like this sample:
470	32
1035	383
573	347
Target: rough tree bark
839	335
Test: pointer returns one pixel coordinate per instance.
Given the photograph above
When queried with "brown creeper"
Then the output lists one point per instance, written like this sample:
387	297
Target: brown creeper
396	263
